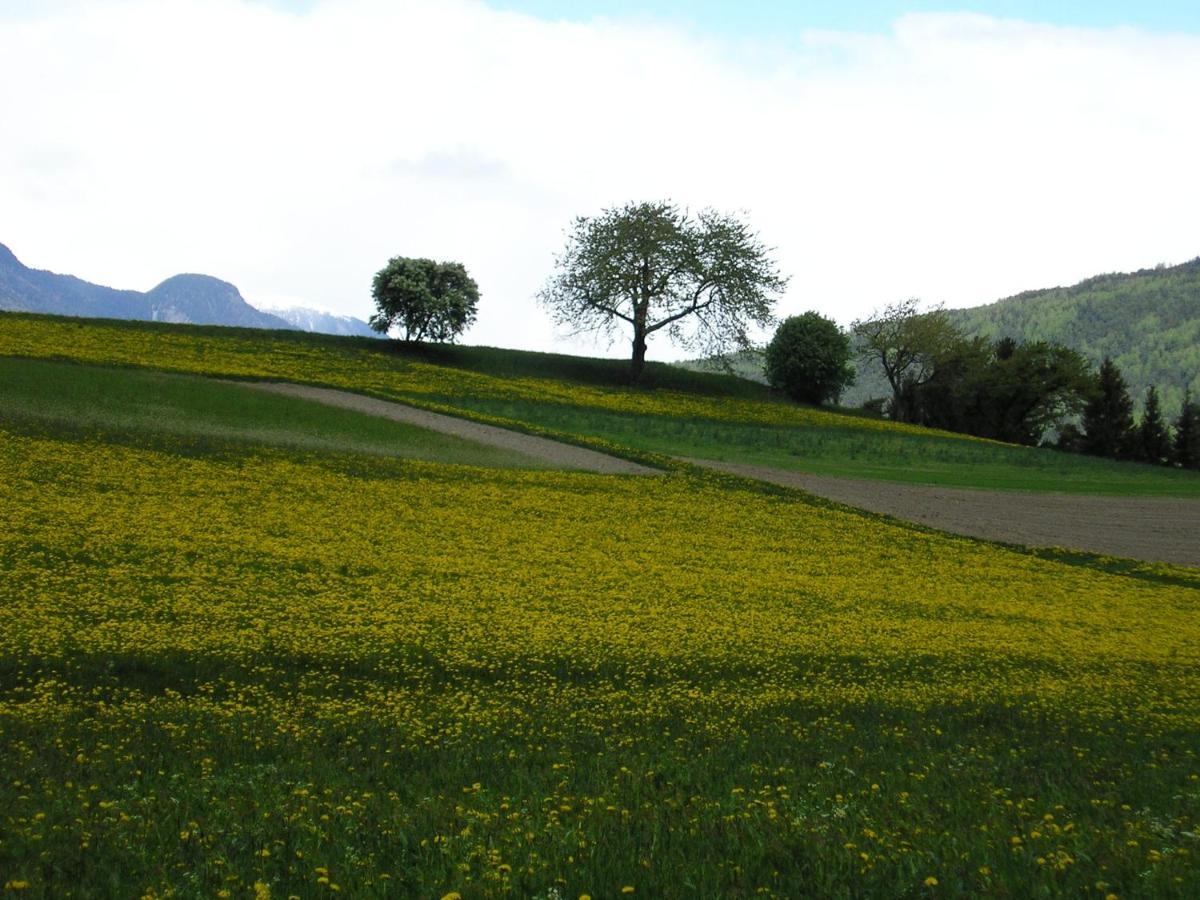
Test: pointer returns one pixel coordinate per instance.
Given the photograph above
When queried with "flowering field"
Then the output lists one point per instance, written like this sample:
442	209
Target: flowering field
256	672
700	421
273	357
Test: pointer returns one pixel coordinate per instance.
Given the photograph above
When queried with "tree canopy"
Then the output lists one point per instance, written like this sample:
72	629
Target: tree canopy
424	300
906	344
1004	390
809	359
703	278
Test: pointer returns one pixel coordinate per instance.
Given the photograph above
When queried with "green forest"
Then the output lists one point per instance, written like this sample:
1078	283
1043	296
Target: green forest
1148	322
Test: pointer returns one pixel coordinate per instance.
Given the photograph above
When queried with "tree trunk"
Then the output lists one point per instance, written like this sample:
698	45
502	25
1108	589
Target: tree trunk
638	362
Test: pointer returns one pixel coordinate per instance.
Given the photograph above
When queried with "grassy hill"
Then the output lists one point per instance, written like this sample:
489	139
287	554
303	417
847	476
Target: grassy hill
675	412
250	648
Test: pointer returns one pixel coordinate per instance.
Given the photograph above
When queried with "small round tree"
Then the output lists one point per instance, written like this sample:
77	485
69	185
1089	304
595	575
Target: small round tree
809	359
423	300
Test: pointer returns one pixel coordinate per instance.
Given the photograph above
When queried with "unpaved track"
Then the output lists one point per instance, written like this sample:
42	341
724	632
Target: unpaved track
558	454
1153	529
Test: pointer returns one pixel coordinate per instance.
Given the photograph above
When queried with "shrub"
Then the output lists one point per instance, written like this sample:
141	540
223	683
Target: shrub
809	359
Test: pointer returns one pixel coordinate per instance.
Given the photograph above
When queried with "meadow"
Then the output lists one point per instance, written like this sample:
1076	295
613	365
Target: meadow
232	665
675	413
147	406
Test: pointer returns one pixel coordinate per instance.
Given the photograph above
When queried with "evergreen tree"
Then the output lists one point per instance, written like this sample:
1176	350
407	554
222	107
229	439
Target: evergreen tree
1153	439
1108	416
1187	434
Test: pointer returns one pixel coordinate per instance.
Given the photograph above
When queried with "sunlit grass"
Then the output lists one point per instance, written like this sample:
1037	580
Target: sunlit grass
413	679
236	667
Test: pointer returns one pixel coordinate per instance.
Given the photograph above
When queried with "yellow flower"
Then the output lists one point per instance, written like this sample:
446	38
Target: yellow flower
931	881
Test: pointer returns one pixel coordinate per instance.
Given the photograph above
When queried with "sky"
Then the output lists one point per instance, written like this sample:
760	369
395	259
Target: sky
958	153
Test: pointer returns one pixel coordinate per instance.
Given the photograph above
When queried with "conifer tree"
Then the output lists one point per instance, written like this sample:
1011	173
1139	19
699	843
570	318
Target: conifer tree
1108	416
1187	434
1153	439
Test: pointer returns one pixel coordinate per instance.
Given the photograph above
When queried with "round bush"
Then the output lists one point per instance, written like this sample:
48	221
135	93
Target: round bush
809	359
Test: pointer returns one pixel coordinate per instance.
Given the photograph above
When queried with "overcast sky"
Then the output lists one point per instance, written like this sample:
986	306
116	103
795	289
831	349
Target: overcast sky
885	152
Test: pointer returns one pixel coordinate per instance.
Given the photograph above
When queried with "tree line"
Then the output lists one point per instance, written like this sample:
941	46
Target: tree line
1033	392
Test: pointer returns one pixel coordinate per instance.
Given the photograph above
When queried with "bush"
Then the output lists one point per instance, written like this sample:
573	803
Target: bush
809	359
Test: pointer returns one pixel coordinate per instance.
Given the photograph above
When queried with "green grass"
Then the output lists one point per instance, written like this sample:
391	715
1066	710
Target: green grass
418	680
498	361
149	405
862	452
857	453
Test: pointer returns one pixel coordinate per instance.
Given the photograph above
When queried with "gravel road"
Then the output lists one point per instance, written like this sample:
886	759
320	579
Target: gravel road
1147	528
567	456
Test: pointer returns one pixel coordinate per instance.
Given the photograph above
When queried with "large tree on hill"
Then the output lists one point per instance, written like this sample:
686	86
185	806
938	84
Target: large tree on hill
703	278
1108	416
423	300
906	344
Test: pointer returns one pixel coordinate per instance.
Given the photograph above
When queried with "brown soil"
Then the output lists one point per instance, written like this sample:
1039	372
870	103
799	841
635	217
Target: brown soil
557	454
1153	529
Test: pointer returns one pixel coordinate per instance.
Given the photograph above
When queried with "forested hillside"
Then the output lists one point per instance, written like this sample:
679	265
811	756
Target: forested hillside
1147	321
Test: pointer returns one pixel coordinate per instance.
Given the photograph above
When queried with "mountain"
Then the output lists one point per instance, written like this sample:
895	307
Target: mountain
1148	322
194	299
32	290
322	322
204	300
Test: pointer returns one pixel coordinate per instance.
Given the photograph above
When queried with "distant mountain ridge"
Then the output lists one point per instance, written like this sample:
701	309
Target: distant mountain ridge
187	299
1148	322
322	322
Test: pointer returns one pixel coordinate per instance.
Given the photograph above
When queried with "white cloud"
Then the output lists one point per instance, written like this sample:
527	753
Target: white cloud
959	158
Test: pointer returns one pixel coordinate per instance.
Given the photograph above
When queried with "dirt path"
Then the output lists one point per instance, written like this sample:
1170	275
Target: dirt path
567	456
1146	528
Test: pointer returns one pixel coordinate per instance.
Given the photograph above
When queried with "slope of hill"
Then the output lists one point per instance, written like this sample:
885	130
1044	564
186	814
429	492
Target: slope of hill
1148	321
274	671
585	401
